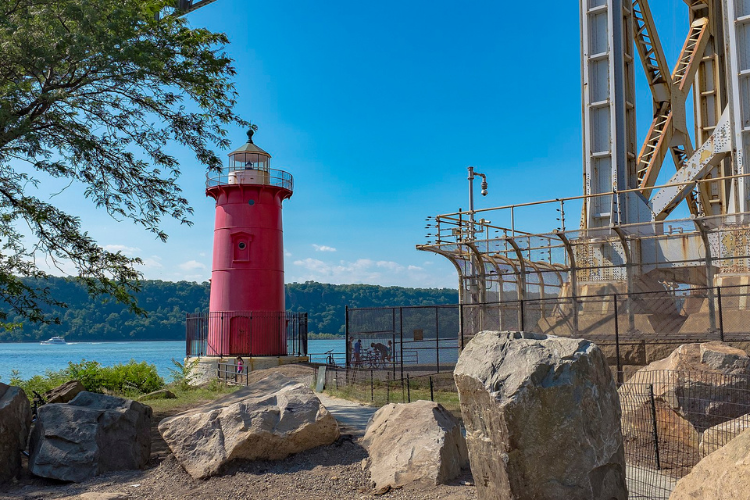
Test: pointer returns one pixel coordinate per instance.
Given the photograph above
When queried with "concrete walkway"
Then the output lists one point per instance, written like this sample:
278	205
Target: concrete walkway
351	416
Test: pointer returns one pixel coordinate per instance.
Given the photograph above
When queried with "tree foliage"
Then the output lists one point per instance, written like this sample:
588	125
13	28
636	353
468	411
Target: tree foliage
93	92
166	303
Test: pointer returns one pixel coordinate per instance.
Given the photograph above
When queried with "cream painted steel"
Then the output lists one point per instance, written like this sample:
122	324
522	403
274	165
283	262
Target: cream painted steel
626	243
710	100
737	28
708	156
608	112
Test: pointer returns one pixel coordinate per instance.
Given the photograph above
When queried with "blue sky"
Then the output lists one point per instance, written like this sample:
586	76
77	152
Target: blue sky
377	108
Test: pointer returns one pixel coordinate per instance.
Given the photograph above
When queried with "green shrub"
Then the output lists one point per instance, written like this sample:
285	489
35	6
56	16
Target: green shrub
183	376
132	377
89	373
127	379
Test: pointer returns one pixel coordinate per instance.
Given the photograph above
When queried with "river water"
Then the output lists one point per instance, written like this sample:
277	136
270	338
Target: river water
31	359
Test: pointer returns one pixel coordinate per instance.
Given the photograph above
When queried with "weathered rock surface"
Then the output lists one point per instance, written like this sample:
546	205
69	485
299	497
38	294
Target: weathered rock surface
15	420
719	435
90	435
160	394
722	475
705	383
64	393
542	418
414	442
268	420
674	431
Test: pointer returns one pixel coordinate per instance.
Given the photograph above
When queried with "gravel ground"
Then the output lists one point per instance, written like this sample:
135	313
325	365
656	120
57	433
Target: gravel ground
338	471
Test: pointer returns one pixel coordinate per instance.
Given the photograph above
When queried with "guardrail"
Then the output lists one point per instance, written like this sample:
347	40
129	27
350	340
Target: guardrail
233	175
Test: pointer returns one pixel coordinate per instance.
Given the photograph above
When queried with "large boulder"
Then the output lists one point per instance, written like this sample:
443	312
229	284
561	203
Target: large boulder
90	435
705	383
717	436
414	442
15	420
64	393
542	418
722	475
268	420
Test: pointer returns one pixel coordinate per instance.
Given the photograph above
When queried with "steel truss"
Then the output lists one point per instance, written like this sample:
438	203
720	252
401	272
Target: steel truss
625	243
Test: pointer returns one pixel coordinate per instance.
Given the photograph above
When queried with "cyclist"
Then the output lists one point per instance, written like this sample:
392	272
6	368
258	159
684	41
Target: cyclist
381	351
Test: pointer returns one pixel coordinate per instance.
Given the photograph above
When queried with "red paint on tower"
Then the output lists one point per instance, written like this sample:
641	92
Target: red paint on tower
247	279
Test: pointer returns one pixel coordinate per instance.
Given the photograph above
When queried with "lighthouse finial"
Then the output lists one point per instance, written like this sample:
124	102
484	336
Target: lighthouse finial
250	132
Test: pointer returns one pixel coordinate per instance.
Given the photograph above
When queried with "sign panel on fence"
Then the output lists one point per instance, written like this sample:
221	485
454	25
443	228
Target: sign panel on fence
321	384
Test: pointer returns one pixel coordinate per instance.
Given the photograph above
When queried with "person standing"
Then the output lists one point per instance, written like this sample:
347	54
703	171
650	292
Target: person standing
240	368
358	352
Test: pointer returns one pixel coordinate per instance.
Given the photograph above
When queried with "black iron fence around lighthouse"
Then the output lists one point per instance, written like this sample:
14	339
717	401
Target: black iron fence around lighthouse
246	334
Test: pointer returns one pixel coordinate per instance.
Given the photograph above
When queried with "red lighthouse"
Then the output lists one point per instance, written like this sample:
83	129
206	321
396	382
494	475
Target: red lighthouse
247	281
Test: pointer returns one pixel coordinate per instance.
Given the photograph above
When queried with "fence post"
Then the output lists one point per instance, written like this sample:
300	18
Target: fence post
461	323
372	388
408	389
247	376
523	321
721	313
655	430
437	338
617	342
432	394
387	387
346	334
403	391
401	347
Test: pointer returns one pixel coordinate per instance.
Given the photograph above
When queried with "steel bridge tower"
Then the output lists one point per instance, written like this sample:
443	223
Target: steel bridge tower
627	241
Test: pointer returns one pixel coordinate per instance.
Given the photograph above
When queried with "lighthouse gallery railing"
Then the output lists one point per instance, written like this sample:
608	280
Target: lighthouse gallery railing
268	177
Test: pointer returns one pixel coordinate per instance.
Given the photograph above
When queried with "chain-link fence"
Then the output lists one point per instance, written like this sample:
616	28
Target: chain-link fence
631	328
670	419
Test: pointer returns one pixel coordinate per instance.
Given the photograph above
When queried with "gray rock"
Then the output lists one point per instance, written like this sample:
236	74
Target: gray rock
160	394
64	393
722	475
542	418
704	383
268	420
415	442
719	435
15	420
90	435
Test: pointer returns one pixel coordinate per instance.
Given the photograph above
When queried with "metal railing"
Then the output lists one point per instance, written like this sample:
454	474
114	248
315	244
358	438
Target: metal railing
631	328
246	334
234	175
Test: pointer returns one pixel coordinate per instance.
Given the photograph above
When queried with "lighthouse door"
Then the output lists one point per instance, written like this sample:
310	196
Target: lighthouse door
239	335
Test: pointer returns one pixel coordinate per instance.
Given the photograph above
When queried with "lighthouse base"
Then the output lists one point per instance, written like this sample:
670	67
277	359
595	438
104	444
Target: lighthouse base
211	368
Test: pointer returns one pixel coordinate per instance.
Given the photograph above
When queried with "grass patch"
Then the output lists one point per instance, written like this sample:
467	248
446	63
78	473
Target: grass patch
382	392
191	397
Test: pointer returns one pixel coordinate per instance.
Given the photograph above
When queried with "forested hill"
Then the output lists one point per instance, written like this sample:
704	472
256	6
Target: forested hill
167	302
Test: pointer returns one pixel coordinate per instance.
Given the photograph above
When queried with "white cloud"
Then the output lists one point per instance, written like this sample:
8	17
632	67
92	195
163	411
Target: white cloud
153	262
323	248
390	265
192	265
385	273
287	253
126	250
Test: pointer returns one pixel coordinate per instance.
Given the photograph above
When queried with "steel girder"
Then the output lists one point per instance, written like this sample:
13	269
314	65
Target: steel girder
714	63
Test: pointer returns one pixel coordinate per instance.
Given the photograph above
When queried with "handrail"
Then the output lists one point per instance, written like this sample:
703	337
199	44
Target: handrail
243	176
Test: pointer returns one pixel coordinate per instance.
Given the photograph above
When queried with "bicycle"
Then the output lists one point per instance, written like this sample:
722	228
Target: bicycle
330	360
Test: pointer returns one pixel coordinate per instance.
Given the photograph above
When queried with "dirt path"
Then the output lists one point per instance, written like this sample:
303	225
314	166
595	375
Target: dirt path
351	416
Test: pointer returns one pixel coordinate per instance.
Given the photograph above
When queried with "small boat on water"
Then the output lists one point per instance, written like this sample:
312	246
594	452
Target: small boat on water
54	341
